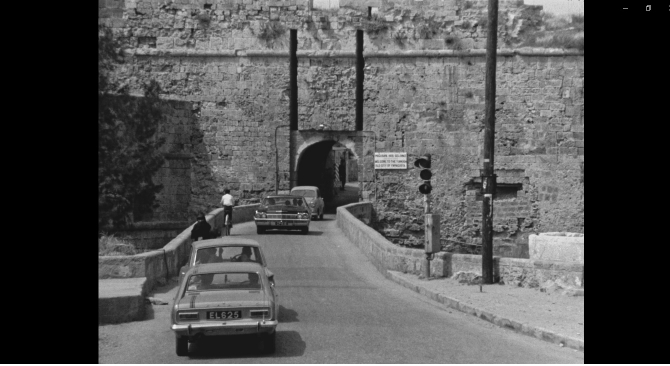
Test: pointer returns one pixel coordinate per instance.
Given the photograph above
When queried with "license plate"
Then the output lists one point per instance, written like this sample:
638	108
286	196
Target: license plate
224	314
282	223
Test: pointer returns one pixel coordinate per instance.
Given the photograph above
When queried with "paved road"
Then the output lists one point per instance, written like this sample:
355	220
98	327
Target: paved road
335	308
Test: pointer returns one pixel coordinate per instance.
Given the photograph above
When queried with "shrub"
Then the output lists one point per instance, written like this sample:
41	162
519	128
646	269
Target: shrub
467	5
128	146
109	245
271	30
400	37
428	29
374	25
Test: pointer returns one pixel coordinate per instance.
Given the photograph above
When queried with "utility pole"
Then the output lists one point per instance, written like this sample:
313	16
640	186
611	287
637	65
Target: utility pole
488	178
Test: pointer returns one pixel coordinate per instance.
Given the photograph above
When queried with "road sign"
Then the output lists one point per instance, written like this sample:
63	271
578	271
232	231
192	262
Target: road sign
390	160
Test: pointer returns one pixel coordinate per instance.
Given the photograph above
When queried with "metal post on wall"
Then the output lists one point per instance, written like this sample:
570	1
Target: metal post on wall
360	71
277	159
293	80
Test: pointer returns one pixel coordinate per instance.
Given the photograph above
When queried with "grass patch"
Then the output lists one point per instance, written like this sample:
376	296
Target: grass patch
109	245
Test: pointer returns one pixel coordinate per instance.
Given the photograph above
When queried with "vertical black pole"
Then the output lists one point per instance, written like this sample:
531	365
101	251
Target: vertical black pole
360	63
488	178
293	80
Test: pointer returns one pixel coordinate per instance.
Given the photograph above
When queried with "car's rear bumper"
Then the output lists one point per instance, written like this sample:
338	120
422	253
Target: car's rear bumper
224	328
281	223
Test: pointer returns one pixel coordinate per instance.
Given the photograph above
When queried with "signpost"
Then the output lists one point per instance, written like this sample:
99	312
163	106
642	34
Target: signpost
390	160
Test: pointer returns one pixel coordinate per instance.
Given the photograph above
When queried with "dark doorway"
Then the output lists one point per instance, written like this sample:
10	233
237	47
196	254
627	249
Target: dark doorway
312	168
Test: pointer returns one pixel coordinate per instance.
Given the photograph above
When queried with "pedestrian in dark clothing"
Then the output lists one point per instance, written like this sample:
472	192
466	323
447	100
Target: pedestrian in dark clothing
201	229
343	174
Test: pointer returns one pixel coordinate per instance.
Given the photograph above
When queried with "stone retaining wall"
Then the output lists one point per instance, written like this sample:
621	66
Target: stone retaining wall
387	256
152	235
161	264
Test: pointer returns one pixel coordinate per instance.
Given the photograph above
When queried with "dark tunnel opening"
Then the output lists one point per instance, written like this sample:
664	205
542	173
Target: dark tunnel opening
312	168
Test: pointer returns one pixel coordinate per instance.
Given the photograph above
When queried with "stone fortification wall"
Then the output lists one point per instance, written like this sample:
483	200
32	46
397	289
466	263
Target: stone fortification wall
225	64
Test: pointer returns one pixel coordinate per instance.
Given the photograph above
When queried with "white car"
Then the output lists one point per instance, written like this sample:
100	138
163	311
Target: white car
217	299
313	197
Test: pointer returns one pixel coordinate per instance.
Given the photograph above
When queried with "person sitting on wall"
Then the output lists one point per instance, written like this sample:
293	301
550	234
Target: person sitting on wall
201	229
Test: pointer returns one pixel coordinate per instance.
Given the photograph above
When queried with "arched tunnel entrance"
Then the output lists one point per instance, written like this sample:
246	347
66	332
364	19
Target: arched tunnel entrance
325	164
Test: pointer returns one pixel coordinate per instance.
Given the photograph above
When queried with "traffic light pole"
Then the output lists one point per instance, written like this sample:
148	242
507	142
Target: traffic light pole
431	221
488	178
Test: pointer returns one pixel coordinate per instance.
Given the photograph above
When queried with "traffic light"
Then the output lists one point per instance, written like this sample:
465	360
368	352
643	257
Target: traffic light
423	163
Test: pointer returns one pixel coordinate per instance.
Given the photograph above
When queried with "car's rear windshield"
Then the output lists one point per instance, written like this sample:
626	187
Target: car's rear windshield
242	253
224	281
304	192
284	201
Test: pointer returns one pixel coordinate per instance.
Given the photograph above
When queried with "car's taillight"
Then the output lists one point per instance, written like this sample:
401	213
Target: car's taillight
187	315
260	313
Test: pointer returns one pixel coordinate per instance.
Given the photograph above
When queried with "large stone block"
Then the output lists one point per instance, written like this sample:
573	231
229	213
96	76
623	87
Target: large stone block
556	248
121	300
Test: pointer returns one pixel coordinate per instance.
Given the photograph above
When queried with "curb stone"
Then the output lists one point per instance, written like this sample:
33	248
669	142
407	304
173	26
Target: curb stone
516	326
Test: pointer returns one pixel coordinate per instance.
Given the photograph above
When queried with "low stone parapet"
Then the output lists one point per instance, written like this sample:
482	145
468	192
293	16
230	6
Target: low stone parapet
559	247
160	264
388	256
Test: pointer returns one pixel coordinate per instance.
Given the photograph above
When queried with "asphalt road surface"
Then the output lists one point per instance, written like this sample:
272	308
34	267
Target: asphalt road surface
335	307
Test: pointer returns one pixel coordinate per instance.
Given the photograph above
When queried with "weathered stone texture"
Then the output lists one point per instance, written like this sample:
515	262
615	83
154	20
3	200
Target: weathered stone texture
223	109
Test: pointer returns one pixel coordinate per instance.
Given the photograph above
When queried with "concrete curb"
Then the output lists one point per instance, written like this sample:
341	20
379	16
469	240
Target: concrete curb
523	328
121	300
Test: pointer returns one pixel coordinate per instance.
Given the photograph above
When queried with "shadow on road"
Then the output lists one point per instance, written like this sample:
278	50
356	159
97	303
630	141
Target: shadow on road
349	195
287	315
289	344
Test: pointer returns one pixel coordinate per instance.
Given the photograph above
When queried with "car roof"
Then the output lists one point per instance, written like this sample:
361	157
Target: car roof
226	267
283	196
227	241
304	187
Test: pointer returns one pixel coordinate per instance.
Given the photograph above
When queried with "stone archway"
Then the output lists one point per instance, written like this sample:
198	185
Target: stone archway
310	149
319	156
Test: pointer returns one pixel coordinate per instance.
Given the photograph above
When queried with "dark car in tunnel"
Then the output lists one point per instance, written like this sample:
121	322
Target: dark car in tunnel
285	212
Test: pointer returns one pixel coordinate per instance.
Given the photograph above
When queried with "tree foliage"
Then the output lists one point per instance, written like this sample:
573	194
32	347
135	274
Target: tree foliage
128	147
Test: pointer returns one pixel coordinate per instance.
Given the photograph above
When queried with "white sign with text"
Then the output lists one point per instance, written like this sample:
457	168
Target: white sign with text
390	160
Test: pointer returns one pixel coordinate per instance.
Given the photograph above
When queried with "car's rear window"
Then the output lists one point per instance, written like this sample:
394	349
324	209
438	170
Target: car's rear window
272	201
304	192
240	253
224	281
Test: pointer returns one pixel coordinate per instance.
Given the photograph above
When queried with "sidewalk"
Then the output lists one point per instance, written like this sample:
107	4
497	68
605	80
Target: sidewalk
552	317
